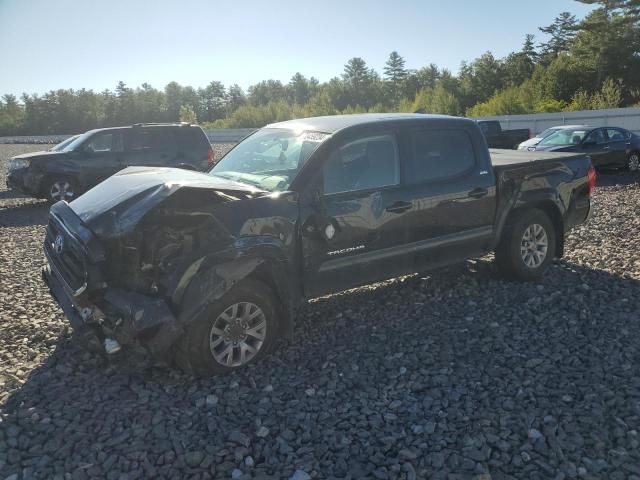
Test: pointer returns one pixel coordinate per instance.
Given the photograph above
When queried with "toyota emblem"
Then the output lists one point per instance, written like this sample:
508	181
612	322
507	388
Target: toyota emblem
58	244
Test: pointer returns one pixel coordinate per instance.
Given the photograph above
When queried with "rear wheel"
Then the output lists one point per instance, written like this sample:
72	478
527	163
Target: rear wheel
633	162
527	247
61	188
235	331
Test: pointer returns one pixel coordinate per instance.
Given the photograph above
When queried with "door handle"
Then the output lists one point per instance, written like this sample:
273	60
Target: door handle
478	192
606	147
399	207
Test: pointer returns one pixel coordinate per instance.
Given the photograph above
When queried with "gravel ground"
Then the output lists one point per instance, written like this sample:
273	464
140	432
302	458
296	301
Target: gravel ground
453	375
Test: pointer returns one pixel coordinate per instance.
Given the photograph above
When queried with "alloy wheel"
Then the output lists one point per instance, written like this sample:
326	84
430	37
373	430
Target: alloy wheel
61	190
534	246
238	334
633	162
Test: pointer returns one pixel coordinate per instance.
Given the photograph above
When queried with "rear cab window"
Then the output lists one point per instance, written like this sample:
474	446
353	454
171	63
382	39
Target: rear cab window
438	155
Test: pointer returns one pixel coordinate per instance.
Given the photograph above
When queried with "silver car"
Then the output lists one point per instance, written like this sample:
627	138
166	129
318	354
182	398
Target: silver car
533	141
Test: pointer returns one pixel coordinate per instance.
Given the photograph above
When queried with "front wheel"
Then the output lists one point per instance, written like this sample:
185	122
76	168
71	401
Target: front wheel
61	188
633	162
527	247
235	331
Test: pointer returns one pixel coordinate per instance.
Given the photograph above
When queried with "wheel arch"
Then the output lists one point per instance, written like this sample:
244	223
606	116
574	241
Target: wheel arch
48	177
209	283
552	211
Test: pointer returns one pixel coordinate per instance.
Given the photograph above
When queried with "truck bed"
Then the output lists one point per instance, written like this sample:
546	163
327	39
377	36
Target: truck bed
505	158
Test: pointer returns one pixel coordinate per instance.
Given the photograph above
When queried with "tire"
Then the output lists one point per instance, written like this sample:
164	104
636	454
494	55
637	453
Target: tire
201	350
60	188
522	253
633	162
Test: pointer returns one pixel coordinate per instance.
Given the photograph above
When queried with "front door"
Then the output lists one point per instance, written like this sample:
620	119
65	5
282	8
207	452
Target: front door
103	156
356	231
595	145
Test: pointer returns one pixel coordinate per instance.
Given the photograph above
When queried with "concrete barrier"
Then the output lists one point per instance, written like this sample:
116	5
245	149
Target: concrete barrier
628	118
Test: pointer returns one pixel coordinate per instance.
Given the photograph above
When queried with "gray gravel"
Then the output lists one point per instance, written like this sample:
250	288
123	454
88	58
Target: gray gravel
454	375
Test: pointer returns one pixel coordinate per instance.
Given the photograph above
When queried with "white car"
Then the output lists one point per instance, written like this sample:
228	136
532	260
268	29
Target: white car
533	141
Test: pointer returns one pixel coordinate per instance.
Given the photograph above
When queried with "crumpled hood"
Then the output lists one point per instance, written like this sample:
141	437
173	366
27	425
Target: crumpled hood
116	205
42	153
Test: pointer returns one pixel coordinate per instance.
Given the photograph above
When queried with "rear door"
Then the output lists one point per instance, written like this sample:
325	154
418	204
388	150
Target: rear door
356	233
453	196
151	147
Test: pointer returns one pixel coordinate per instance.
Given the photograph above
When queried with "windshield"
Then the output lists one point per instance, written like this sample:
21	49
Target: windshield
75	143
269	159
547	132
565	137
60	147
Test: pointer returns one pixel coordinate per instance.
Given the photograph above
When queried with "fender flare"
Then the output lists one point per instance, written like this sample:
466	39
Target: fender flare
205	282
548	202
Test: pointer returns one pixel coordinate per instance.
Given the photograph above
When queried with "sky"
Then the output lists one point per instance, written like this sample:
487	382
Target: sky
51	44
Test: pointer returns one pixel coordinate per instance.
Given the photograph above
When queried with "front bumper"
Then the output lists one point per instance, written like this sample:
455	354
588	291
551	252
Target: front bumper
136	321
24	181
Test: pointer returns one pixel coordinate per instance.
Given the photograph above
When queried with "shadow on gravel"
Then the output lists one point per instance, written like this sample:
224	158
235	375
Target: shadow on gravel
9	194
448	373
24	215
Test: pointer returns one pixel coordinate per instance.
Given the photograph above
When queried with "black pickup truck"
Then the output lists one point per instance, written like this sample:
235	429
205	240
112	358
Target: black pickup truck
207	268
498	138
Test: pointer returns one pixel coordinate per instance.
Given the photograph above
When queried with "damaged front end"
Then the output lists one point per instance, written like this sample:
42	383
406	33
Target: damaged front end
103	317
119	270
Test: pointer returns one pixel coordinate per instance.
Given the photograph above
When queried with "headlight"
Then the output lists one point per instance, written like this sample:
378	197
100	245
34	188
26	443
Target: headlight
18	163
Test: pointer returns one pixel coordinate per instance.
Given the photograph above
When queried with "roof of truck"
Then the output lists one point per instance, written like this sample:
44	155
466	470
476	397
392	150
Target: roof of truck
333	123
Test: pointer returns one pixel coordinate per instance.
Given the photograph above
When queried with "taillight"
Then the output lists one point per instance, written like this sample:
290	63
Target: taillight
592	179
210	156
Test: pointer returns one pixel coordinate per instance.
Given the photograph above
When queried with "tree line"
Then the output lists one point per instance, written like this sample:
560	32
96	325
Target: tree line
583	64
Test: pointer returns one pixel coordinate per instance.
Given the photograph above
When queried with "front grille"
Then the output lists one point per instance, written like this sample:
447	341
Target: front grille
66	255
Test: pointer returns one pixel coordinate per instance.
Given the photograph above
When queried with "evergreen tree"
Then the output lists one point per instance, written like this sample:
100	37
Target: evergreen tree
562	32
396	75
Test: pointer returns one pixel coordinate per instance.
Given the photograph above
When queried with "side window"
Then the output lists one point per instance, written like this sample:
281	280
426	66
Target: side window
616	135
439	154
106	142
597	137
152	139
365	163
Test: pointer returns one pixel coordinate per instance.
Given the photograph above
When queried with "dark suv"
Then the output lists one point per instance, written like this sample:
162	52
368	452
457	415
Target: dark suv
98	154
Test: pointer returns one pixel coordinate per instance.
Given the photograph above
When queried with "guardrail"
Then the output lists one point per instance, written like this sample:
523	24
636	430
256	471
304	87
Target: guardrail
628	118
